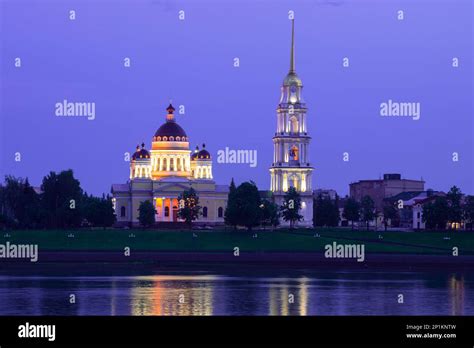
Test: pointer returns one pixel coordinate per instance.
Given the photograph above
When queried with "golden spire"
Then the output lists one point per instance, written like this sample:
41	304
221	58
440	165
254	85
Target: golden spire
292	55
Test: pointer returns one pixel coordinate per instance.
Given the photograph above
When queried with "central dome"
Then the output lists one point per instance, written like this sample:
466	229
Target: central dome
170	128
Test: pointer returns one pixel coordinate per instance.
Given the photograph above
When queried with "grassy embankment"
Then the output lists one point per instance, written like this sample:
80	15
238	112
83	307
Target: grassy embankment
300	240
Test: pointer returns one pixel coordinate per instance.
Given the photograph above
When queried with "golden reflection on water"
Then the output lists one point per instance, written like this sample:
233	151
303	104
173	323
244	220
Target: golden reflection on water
456	292
158	296
165	295
286	300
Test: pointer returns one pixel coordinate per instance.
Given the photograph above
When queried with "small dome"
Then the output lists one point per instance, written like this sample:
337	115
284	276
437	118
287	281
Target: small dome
195	154
292	79
204	154
141	153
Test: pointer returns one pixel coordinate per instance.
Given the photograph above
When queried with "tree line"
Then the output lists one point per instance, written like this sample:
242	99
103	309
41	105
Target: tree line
61	203
452	208
437	213
326	211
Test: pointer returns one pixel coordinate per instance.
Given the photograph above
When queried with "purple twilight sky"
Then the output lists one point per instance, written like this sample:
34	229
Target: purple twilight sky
191	61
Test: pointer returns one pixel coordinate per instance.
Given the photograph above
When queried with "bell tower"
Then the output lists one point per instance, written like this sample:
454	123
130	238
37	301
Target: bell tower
291	166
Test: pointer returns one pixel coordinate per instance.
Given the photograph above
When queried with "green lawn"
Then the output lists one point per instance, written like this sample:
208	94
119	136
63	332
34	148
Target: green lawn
301	240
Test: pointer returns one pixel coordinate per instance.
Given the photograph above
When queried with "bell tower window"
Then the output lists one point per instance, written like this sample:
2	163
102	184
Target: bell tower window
294	153
294	127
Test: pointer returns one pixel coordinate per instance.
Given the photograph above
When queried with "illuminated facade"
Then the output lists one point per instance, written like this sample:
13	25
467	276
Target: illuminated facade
291	166
163	173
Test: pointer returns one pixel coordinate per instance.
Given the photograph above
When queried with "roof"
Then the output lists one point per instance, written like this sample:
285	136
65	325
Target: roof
120	188
170	129
414	197
404	196
222	188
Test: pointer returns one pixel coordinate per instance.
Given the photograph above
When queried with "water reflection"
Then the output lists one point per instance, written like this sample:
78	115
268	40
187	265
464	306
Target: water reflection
456	294
172	295
246	292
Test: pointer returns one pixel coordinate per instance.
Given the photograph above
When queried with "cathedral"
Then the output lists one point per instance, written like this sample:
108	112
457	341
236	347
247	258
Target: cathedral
162	173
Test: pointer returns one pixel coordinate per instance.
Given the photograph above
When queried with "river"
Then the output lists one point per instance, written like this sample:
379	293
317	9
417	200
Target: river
137	289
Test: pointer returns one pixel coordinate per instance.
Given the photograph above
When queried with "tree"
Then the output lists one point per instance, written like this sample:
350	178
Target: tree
97	211
367	209
319	217
455	210
189	208
270	214
231	215
436	213
146	214
351	211
291	207
325	212
61	200
20	203
390	212
468	210
335	218
248	203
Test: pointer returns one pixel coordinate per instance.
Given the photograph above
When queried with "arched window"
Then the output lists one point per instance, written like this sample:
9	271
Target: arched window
294	125
294	153
220	212
167	211
204	212
122	211
294	181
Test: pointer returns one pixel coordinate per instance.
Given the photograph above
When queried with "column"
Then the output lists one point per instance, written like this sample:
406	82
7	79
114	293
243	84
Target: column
170	202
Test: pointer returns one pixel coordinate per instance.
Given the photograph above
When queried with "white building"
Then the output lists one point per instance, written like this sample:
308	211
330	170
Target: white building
162	174
291	166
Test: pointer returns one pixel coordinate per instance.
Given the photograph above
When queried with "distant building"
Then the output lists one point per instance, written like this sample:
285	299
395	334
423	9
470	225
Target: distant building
389	186
410	205
325	193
